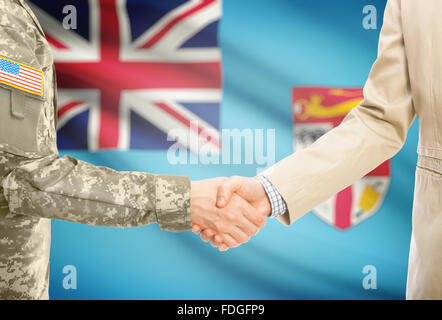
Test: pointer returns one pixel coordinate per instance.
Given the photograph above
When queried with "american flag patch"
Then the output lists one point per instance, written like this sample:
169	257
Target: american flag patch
20	76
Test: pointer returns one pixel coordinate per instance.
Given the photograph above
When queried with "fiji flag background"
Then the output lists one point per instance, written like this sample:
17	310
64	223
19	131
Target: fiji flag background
132	70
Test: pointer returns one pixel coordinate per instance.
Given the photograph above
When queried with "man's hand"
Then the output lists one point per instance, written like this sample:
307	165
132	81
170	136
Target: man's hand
249	189
234	223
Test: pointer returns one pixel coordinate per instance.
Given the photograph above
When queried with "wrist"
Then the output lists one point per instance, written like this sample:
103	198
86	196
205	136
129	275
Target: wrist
273	198
265	204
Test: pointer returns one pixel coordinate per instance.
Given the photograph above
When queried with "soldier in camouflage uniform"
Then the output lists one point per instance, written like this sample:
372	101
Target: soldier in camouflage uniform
36	185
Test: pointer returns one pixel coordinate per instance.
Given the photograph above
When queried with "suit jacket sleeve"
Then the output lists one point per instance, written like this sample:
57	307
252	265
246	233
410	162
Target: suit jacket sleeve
371	133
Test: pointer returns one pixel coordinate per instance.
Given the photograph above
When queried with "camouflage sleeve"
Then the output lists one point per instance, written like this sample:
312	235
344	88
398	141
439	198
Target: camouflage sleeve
37	182
73	190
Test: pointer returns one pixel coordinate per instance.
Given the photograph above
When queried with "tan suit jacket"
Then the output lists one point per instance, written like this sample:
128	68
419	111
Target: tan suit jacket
405	80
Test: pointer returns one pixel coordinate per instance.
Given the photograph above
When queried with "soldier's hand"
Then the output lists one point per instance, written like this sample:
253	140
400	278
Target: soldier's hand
233	225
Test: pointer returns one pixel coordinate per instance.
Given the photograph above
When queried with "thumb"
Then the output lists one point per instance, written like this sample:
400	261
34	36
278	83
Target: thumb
226	191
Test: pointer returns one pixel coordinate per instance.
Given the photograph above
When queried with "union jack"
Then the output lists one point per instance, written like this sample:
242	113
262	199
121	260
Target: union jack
140	69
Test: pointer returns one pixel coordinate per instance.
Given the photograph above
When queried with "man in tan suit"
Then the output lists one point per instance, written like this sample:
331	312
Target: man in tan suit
405	81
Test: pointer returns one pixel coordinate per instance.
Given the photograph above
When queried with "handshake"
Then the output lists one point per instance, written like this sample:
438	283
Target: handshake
228	211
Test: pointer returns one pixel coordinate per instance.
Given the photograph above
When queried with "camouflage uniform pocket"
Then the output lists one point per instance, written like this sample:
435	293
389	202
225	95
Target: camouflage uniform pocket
19	117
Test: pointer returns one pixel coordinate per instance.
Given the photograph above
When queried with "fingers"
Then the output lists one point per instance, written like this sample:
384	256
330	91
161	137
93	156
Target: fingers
228	227
251	219
245	224
229	241
196	228
214	244
218	238
216	241
232	237
207	235
220	246
231	225
205	215
246	217
239	236
223	247
226	190
252	191
238	222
